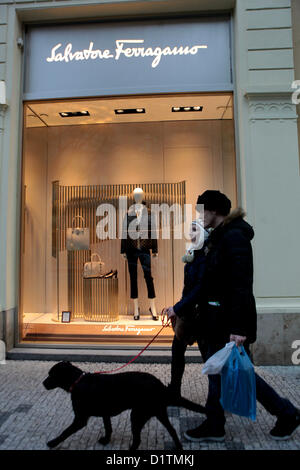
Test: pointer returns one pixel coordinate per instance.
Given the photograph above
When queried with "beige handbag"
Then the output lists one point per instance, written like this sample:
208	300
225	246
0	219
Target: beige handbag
93	268
78	238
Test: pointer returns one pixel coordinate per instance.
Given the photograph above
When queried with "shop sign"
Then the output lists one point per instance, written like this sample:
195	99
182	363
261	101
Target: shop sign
95	59
122	48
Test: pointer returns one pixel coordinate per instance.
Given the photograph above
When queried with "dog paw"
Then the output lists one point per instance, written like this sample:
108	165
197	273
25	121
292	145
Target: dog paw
52	444
104	440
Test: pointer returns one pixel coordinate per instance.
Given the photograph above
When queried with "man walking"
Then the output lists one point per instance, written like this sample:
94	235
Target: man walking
231	314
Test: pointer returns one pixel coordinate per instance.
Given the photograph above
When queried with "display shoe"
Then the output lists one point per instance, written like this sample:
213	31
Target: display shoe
110	274
137	317
285	427
154	317
205	433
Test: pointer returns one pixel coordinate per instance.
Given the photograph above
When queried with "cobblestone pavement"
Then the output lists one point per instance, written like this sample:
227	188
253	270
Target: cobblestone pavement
31	415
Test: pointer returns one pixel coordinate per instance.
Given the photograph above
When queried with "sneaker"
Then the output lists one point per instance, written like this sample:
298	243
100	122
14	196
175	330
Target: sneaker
285	427
204	433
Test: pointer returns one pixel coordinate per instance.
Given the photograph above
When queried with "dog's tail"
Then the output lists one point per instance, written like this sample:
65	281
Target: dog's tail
185	403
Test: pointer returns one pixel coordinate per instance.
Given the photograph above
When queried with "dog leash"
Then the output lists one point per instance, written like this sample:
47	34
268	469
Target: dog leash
165	322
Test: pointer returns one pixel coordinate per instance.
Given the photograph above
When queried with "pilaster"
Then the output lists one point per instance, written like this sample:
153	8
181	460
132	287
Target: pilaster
268	164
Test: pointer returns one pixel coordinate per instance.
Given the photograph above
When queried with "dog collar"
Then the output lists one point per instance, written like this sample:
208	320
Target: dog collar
76	382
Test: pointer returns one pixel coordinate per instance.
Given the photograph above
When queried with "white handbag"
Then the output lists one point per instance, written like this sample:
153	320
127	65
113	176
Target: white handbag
78	238
93	268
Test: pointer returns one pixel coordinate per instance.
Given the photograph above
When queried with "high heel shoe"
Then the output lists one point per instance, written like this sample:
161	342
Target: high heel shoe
154	317
137	317
107	275
111	274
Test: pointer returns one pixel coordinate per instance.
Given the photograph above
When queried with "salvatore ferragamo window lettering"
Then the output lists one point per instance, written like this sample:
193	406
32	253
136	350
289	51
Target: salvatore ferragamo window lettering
60	54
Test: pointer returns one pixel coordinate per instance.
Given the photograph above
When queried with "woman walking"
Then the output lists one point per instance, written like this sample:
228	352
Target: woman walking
186	323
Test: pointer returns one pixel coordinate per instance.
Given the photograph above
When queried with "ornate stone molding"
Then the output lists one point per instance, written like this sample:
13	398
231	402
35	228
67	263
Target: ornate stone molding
271	106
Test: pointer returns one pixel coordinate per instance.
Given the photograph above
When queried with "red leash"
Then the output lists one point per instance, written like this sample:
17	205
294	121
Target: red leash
164	324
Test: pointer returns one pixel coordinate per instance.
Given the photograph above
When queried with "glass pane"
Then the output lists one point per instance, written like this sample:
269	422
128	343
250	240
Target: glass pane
79	181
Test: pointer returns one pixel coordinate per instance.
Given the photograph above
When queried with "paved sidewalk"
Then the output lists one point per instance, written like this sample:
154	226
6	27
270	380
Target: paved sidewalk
31	415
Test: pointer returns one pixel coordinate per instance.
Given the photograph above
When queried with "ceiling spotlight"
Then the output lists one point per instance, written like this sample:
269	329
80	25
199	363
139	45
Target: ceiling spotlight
186	108
130	111
74	114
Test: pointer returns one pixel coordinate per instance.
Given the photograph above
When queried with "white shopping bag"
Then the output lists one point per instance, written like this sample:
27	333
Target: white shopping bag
215	363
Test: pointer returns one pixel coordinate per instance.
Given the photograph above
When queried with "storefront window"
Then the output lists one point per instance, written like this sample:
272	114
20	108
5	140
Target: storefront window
90	170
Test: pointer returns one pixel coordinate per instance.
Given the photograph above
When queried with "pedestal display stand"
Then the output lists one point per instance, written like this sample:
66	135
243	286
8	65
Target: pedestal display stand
100	299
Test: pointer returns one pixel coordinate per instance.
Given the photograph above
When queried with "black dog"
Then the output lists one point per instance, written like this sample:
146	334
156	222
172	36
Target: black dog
108	395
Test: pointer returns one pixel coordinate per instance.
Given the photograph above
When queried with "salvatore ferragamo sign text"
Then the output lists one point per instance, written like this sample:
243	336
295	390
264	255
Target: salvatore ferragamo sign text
128	48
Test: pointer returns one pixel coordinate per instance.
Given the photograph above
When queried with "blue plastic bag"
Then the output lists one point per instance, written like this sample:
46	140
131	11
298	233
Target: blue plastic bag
238	386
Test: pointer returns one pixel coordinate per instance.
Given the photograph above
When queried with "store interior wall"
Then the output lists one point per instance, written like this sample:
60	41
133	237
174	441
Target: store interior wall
199	152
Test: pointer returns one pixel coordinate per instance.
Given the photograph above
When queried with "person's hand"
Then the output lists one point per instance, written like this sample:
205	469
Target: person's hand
124	256
170	312
239	340
155	255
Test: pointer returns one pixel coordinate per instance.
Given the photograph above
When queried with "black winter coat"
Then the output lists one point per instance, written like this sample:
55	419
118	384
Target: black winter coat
193	284
229	279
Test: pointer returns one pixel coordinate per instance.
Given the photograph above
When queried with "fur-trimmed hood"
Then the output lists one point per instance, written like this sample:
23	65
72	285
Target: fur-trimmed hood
239	212
235	220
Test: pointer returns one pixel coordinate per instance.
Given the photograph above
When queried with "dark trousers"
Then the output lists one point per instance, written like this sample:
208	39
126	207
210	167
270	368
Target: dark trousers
145	260
265	394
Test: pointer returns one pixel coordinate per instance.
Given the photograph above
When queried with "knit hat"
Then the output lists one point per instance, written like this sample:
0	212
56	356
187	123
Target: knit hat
215	201
188	257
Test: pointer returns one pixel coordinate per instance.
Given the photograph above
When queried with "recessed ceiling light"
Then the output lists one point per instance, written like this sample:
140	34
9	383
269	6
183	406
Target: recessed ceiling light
186	108
130	111
74	113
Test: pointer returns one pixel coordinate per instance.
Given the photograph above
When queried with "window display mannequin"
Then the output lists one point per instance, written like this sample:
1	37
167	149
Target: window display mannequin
137	243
